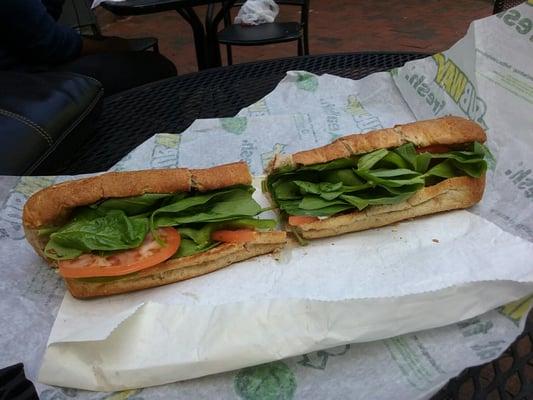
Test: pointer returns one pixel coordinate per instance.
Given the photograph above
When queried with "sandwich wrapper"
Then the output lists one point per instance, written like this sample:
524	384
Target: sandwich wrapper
326	317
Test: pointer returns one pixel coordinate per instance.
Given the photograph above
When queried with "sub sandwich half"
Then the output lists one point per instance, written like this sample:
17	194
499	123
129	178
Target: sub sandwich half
124	231
369	180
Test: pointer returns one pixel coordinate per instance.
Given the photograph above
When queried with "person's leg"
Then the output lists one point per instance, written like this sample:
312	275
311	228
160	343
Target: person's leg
122	71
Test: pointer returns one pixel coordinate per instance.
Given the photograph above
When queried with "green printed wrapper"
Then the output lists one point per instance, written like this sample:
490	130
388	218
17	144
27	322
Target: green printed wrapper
348	317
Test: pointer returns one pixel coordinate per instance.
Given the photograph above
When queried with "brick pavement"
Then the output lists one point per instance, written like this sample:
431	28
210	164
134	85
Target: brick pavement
335	26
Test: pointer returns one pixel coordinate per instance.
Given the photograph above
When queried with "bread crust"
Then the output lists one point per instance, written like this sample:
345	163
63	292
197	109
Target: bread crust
446	130
450	194
183	268
54	204
220	177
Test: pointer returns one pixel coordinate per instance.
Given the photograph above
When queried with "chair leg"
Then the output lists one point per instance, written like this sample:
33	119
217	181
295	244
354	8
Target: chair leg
306	40
156	47
230	57
300	46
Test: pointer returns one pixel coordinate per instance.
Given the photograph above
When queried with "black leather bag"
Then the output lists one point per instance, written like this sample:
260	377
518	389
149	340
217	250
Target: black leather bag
43	117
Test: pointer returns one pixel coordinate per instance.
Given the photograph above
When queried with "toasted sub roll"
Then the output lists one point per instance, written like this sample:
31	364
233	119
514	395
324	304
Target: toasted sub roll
179	269
54	205
449	194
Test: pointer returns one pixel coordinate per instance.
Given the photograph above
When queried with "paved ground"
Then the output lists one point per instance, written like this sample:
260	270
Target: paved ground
335	26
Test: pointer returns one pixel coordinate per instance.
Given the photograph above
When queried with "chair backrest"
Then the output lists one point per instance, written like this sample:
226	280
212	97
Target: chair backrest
78	15
502	5
304	4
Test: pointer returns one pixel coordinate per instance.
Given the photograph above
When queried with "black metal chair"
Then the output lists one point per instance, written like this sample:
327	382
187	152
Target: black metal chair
269	33
502	5
78	15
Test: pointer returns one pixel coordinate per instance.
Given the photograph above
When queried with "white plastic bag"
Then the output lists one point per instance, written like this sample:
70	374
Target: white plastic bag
255	12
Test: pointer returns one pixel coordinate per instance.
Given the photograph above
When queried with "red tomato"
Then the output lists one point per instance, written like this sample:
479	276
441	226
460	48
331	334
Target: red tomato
150	253
235	236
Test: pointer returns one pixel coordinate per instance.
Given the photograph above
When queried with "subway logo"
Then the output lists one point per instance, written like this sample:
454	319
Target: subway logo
457	85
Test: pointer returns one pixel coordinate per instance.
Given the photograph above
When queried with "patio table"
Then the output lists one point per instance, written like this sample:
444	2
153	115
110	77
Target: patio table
131	117
171	105
205	40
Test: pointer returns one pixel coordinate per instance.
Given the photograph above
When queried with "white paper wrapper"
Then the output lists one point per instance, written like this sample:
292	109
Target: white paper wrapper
356	288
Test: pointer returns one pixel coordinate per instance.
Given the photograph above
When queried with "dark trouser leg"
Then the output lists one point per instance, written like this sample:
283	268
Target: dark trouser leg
122	71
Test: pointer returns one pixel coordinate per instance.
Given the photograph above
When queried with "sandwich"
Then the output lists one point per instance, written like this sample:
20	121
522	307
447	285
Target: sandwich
378	178
124	231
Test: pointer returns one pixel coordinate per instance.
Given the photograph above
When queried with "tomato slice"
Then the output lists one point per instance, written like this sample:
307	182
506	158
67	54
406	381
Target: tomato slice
234	236
296	220
150	253
436	148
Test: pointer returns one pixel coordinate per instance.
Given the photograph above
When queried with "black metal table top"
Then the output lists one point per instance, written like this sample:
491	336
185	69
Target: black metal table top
171	105
140	7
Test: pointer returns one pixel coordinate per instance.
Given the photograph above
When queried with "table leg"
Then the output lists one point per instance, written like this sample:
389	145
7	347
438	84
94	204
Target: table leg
198	32
211	29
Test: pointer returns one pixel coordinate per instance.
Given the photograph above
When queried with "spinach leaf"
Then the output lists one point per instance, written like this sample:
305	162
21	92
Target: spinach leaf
369	160
102	228
380	177
133	205
310	202
113	231
210	207
292	207
196	238
474	170
201	233
362	202
393	160
326	190
443	170
188	247
55	251
286	190
248	223
418	162
408	153
198	234
345	175
331	165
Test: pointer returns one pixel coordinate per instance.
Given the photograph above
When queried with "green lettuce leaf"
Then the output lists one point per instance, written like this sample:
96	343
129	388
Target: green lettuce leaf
189	247
102	228
332	165
345	175
113	231
210	207
133	205
55	251
201	233
197	238
377	178
367	161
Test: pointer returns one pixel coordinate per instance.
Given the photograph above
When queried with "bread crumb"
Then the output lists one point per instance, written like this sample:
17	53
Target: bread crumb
435	240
